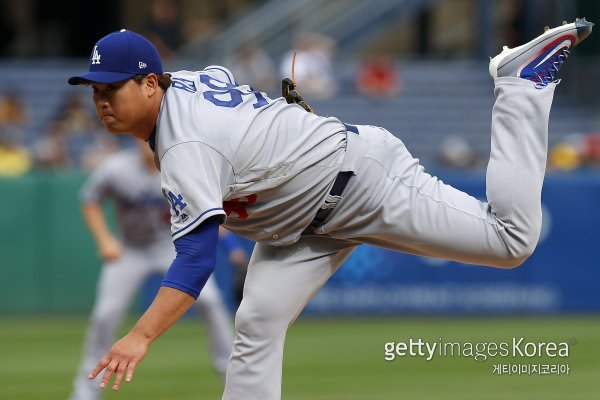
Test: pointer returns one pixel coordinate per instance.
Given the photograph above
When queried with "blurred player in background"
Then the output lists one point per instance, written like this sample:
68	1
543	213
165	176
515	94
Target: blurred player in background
131	180
238	258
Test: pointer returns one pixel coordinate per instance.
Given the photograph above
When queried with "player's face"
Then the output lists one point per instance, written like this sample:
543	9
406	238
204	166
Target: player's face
120	106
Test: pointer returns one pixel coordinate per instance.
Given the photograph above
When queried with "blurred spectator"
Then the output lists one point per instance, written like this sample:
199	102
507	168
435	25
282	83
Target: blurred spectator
79	124
575	151
313	69
252	65
164	27
15	159
457	153
591	150
377	77
564	156
50	150
12	109
14	116
76	114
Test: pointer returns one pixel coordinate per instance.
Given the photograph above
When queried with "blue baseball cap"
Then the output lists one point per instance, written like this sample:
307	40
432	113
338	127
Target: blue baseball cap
119	56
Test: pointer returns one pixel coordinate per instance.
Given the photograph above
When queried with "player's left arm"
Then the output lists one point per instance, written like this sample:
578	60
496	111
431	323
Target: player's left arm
195	261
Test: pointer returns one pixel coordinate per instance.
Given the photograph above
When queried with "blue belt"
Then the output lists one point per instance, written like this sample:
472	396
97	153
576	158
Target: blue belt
341	180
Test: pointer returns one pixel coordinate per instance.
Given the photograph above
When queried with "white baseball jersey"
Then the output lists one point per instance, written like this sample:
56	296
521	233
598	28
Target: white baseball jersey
141	212
225	149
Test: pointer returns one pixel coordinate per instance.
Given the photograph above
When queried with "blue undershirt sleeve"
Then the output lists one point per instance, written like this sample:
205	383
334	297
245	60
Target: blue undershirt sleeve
196	258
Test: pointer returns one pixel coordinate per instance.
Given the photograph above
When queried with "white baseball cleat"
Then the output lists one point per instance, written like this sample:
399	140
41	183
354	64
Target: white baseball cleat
540	59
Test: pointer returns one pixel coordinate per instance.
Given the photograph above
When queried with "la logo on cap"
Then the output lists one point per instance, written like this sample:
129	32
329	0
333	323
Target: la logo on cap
95	56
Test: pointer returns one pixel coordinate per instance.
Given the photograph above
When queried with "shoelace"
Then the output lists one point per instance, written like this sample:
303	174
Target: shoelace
547	75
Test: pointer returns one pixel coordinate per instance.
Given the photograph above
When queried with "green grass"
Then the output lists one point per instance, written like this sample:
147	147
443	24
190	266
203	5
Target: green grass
325	359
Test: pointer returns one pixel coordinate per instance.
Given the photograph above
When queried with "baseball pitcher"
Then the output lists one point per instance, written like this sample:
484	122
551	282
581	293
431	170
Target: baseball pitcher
309	189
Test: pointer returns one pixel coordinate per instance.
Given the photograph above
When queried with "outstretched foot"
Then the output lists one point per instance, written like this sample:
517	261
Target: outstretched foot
540	59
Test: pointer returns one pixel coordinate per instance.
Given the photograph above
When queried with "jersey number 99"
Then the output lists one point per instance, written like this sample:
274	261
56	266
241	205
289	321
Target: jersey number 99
229	95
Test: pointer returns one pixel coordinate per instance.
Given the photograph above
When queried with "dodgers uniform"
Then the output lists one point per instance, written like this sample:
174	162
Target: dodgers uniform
143	219
267	168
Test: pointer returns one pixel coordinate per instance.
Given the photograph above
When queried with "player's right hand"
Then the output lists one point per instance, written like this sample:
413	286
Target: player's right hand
121	360
110	249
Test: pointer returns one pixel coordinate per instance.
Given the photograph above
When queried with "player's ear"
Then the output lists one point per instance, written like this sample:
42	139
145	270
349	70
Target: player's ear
151	83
